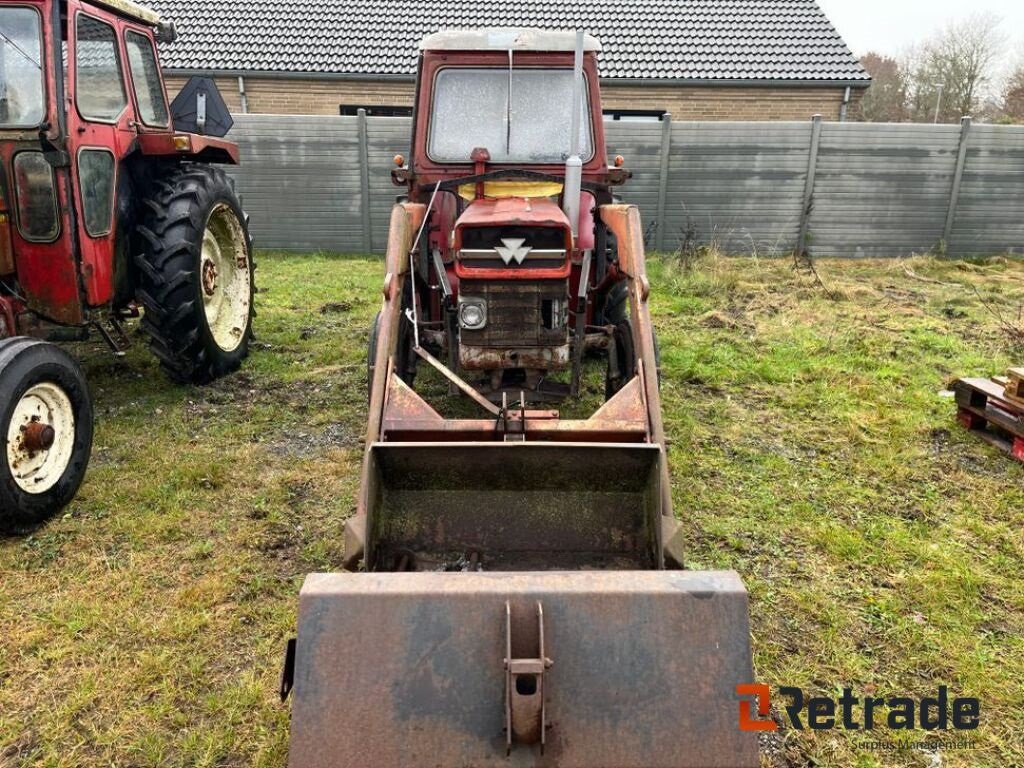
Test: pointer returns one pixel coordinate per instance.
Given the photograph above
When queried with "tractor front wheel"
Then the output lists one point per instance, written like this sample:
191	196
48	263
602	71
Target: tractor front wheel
196	274
405	363
622	358
46	425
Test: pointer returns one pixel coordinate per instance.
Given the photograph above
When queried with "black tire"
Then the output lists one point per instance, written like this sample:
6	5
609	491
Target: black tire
26	364
616	304
623	361
405	366
371	355
625	357
178	210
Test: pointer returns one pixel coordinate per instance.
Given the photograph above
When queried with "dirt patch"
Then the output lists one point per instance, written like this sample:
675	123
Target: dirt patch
304	443
776	752
733	317
17	751
335	307
718	320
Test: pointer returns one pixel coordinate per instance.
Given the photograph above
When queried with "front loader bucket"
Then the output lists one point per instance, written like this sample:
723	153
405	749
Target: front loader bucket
515	606
513	506
602	669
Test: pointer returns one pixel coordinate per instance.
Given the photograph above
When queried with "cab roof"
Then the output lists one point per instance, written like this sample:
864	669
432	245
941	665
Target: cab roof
506	39
131	10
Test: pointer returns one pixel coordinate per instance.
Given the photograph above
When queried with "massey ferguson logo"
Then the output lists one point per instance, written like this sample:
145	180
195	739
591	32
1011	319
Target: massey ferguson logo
513	250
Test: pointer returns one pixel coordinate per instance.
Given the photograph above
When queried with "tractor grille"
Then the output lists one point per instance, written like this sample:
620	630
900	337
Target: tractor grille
511	247
519	314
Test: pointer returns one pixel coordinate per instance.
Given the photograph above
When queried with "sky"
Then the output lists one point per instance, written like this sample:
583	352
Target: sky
890	26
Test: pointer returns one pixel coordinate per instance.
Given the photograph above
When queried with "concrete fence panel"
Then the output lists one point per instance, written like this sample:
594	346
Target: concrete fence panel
837	189
989	216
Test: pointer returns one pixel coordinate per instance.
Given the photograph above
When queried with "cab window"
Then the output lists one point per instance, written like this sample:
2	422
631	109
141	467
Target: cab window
519	116
100	92
96	171
22	100
149	92
36	196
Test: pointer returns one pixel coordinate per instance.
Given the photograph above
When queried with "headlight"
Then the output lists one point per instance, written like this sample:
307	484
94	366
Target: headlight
472	313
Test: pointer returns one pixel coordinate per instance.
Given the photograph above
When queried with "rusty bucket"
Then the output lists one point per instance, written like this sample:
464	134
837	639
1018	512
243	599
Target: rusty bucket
513	506
515	614
602	669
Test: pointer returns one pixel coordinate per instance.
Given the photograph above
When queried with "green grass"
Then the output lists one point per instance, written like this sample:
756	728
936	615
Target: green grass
811	451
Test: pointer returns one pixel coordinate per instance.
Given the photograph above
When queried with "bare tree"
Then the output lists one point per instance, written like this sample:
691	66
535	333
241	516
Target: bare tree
886	99
960	61
1013	96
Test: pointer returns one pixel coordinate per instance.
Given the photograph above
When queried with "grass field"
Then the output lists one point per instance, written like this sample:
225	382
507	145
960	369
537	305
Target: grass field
810	447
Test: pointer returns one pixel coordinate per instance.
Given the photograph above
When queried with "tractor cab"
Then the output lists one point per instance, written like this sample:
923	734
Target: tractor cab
81	98
110	208
508	141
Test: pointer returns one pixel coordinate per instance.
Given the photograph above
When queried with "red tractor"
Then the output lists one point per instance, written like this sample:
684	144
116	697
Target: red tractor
514	594
110	207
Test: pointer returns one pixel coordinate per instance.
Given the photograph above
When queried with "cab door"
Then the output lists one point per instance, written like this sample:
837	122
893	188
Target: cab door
34	174
101	132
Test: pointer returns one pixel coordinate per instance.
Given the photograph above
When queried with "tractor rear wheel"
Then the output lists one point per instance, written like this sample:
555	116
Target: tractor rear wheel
196	274
46	426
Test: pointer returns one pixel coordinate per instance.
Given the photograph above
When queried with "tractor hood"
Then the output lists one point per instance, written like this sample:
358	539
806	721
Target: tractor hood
513	212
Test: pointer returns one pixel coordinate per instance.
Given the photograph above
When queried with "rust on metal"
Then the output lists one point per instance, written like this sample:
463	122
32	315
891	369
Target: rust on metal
37	436
393	667
525	505
405	220
475	358
624	222
209	277
525	721
6	245
626	405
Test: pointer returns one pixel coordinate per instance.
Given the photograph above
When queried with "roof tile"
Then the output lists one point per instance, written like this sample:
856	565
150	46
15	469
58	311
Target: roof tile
648	39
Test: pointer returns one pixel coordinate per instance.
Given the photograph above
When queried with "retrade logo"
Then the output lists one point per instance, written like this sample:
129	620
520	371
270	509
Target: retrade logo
852	713
763	695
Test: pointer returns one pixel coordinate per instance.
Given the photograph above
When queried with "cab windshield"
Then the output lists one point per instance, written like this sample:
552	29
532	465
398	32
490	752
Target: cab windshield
22	103
530	123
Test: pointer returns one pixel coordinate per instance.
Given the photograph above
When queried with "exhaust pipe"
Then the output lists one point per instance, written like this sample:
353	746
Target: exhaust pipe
573	164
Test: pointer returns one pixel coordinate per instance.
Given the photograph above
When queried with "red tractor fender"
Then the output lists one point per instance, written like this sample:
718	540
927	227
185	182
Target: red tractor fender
190	145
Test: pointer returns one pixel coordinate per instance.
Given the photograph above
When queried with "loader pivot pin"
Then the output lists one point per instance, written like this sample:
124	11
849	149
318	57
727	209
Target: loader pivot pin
525	717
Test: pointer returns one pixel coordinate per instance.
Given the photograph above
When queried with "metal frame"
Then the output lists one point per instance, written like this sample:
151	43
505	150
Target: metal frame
398	414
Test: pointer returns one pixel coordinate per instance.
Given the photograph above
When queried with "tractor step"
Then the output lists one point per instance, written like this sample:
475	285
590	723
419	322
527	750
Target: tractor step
578	670
985	409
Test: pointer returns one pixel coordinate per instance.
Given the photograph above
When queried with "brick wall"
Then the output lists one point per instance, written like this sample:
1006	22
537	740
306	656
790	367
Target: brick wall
297	96
730	103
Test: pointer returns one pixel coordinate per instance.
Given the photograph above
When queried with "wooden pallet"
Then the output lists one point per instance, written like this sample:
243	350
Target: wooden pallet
1015	385
986	410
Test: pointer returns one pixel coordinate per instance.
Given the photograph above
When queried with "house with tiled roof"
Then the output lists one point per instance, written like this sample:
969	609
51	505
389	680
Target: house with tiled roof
695	59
